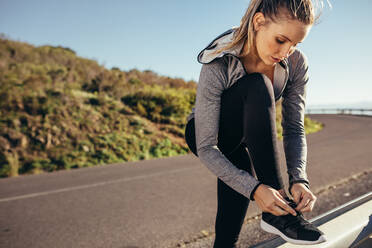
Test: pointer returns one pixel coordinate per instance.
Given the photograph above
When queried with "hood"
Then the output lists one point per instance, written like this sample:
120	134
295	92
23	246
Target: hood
206	56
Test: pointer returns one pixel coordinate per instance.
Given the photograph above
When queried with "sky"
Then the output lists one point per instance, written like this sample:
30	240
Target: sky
166	36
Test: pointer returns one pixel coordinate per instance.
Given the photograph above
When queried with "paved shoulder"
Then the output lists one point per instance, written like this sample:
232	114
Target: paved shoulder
155	203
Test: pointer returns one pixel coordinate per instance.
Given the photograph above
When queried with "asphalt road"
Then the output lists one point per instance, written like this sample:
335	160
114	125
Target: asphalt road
166	202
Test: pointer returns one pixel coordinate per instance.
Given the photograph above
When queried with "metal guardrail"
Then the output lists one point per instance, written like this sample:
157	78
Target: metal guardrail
349	225
348	111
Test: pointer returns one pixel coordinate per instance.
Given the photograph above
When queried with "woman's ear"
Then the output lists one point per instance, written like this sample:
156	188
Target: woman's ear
258	21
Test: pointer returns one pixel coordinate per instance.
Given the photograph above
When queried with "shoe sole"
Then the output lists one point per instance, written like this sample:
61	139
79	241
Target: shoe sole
271	229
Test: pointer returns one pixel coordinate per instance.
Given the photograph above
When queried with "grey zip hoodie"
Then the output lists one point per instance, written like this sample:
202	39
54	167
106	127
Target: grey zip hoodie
219	72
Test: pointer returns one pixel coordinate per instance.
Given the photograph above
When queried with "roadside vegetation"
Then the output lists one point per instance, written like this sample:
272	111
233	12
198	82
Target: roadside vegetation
61	111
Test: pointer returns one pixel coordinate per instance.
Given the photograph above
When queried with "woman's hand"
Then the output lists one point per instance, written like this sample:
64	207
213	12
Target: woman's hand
271	200
304	198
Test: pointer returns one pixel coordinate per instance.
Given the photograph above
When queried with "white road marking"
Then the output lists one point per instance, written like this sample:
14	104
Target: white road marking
91	185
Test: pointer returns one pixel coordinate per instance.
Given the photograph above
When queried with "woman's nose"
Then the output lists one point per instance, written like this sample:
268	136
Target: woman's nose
286	53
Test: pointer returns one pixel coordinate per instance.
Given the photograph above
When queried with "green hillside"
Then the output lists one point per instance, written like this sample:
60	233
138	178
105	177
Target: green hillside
62	111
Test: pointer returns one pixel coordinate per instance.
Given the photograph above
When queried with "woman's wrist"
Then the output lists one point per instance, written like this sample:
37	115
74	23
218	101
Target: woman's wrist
251	197
306	183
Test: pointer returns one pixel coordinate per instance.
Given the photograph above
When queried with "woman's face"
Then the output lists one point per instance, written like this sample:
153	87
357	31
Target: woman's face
275	41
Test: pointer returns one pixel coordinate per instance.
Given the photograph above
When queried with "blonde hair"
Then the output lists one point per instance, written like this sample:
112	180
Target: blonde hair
301	10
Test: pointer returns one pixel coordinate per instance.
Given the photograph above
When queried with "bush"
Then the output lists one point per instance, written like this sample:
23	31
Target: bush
60	111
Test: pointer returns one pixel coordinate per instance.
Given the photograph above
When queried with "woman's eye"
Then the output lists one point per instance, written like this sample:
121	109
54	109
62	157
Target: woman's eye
279	41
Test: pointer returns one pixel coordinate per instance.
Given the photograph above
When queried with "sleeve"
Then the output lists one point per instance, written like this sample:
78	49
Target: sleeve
293	114
207	112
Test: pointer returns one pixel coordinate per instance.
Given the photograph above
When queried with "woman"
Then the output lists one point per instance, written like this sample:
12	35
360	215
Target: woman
232	127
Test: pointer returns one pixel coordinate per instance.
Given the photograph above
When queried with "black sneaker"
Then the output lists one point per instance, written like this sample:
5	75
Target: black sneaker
293	229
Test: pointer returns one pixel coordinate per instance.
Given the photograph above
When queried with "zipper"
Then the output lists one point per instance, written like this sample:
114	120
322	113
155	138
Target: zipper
285	82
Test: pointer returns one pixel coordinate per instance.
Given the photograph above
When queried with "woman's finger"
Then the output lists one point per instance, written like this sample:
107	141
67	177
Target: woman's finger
276	210
280	203
304	201
309	207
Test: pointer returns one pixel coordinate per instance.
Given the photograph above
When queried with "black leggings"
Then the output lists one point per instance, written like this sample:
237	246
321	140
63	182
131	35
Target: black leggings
247	132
